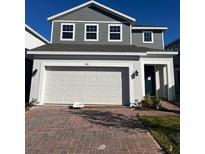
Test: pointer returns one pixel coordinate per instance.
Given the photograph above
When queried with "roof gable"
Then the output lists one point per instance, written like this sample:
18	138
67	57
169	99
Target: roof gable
35	34
96	4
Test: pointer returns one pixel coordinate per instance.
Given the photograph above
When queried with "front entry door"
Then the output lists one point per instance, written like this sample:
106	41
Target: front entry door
150	80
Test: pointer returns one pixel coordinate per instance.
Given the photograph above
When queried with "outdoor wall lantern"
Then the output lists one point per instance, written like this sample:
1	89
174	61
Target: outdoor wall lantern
134	74
34	72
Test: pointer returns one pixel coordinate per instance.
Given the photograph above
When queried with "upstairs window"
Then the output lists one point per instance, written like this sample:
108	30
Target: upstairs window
91	32
148	37
67	31
114	33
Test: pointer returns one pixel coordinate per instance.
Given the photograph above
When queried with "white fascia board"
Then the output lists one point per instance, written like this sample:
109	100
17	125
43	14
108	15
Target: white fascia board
162	53
149	28
88	21
85	53
37	34
91	2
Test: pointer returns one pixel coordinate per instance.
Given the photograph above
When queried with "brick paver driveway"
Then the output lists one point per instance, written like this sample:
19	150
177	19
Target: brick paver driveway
61	130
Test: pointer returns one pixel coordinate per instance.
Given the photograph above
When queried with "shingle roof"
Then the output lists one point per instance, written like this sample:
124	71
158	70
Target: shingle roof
92	48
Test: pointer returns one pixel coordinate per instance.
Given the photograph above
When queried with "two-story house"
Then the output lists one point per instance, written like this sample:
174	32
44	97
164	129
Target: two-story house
98	55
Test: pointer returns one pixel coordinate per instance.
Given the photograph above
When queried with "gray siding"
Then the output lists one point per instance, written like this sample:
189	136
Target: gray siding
79	34
90	13
137	39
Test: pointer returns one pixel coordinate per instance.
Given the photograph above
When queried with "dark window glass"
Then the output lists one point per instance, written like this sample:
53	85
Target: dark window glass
67	35
67	27
91	28
114	28
115	36
148	37
91	36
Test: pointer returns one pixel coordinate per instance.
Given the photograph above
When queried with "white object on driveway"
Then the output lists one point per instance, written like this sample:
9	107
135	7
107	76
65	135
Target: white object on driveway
102	147
78	105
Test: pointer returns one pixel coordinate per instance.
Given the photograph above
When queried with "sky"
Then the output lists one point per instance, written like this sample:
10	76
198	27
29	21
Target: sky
146	12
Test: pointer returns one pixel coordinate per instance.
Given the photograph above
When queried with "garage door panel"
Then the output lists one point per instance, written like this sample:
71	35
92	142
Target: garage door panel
66	85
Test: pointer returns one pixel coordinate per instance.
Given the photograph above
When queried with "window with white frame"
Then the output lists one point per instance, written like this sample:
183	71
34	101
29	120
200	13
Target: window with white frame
114	32
148	37
67	31
91	32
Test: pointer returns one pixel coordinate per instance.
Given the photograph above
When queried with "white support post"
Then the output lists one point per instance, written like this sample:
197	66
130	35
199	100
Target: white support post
35	82
171	82
132	99
142	80
41	85
165	84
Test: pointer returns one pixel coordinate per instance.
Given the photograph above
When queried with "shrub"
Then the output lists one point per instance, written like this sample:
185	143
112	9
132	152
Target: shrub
151	102
156	103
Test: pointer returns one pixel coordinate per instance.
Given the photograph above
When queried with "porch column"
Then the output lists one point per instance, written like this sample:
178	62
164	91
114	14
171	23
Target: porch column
165	86
161	81
142	81
171	82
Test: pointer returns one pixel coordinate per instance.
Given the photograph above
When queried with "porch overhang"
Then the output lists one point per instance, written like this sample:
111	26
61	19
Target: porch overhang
98	53
86	53
162	53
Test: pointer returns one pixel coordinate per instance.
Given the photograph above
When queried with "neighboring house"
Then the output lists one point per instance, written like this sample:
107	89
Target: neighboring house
98	56
32	40
175	46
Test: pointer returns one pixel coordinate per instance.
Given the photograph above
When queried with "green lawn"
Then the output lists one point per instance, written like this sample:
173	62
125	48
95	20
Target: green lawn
165	130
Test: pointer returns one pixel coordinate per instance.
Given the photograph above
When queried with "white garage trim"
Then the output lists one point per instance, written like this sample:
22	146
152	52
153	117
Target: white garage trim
83	64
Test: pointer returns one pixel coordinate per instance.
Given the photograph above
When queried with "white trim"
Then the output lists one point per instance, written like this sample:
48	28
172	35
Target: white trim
51	32
149	28
85	53
142	80
121	34
61	36
88	3
85	32
163	40
157	61
130	34
37	34
41	82
161	53
84	21
152	35
100	53
157	80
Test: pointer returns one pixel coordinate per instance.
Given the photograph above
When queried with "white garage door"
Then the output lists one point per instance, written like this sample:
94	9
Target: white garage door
66	85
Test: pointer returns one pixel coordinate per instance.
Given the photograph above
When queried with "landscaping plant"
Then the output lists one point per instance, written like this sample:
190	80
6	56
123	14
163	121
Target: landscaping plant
151	102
